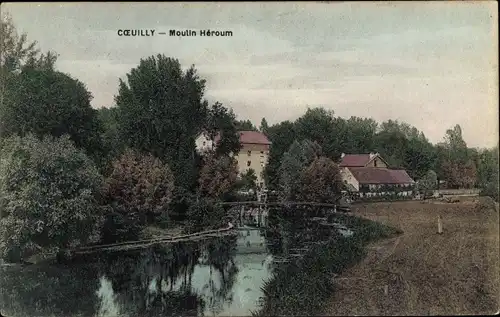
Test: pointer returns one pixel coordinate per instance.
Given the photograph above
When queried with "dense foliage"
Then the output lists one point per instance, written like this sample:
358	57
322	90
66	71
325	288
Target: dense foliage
298	157
320	182
161	111
218	175
47	102
138	191
300	287
49	196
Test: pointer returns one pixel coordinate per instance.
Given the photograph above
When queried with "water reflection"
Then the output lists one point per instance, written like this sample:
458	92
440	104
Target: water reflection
219	276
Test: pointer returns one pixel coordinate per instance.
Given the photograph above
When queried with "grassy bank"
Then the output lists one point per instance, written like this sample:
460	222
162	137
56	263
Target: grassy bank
303	286
424	273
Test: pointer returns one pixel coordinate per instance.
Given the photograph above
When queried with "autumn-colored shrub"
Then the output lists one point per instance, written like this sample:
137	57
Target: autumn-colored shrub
138	191
218	175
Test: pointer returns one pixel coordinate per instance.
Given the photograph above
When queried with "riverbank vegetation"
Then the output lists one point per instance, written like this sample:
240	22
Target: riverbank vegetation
301	287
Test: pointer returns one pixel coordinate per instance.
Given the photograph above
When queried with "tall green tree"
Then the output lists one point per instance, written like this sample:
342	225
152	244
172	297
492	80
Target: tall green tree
47	102
295	160
320	125
320	182
281	135
248	180
222	121
161	111
245	125
263	126
17	52
360	135
428	182
113	144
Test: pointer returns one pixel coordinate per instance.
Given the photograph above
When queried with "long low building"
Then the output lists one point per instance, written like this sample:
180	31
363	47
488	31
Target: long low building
367	173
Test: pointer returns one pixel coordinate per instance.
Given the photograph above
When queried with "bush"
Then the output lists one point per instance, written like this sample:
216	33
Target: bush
218	175
138	191
320	182
301	287
49	196
204	214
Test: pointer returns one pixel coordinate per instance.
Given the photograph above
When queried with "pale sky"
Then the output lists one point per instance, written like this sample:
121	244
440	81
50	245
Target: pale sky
430	64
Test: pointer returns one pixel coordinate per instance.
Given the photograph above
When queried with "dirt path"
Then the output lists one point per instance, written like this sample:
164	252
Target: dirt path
421	272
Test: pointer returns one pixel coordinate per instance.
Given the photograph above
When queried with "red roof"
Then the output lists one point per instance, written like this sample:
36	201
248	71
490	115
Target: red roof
249	137
355	160
253	137
371	175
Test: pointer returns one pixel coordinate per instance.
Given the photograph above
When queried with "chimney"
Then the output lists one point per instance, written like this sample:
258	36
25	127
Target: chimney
342	155
372	155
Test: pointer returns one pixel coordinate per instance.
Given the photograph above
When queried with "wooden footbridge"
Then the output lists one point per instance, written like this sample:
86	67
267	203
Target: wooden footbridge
256	208
141	244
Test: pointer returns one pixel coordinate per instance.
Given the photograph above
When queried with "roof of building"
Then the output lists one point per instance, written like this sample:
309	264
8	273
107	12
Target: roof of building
248	137
371	175
353	160
253	137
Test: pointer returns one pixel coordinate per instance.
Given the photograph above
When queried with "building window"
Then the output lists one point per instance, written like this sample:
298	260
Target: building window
262	152
204	143
261	164
249	163
375	162
249	153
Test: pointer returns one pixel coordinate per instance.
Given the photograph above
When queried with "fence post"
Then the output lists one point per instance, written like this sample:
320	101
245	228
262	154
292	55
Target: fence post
440	225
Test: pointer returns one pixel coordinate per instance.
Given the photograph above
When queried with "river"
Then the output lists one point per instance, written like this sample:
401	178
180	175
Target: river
216	277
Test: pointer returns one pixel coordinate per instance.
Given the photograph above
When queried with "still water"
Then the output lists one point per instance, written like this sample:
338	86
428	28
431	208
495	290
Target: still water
216	277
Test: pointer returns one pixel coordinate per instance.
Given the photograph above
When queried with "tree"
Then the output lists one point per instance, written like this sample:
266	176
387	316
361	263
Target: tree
203	214
49	196
392	146
161	111
428	182
222	122
218	175
114	146
138	190
263	126
360	135
248	180
294	161
17	52
245	125
319	125
488	172
320	182
47	102
282	135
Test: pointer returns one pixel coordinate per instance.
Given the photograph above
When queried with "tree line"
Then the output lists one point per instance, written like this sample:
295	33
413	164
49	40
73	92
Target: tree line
401	145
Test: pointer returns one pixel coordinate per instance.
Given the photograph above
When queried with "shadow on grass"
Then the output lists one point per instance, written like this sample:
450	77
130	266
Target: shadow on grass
303	286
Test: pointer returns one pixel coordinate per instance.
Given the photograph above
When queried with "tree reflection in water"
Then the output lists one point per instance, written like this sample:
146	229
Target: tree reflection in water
159	281
55	290
153	282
